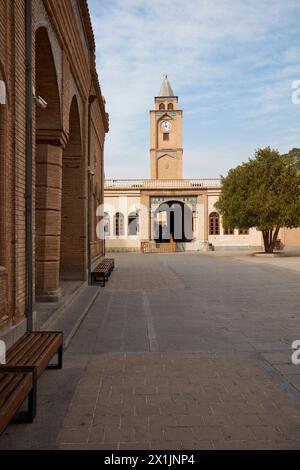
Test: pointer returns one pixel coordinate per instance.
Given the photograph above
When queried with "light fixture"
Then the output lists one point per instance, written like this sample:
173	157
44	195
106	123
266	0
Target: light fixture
40	102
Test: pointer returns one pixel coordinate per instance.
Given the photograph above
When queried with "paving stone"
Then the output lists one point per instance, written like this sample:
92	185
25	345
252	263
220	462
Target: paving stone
186	421
147	410
243	433
179	434
97	434
73	436
134	446
163	445
71	447
267	433
229	445
203	433
113	434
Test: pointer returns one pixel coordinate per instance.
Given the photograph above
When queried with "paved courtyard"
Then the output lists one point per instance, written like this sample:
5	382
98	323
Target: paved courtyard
177	352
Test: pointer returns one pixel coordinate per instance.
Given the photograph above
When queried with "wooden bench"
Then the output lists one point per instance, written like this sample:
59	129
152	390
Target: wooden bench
102	272
16	385
26	360
111	264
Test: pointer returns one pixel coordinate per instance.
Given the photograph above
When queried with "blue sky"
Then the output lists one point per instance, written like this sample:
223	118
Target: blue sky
231	62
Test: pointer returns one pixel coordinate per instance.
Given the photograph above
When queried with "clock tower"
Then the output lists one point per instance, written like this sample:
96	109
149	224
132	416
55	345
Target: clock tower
166	135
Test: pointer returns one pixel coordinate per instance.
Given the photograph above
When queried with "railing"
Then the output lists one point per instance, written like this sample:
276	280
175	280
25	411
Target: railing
152	247
157	184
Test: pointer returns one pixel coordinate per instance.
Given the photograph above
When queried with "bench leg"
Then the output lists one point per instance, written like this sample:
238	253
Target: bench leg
99	282
28	416
59	364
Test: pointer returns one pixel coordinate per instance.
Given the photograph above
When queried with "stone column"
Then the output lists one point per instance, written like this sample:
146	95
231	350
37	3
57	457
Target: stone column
206	222
145	218
49	152
195	225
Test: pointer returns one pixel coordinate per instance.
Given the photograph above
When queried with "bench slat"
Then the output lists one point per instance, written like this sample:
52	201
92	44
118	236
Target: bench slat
10	386
39	346
24	345
5	379
24	354
44	355
37	353
19	346
16	397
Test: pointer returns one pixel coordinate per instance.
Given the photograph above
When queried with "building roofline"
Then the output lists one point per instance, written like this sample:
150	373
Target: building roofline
85	11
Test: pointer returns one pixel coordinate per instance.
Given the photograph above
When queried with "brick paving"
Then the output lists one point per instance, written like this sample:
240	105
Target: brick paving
184	401
177	352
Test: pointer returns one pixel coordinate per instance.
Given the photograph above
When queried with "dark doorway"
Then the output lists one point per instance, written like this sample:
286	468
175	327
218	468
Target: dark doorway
173	222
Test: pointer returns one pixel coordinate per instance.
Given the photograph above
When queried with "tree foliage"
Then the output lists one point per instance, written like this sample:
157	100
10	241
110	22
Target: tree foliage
295	155
263	193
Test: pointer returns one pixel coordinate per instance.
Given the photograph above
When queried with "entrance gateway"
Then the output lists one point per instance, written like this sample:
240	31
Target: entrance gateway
173	219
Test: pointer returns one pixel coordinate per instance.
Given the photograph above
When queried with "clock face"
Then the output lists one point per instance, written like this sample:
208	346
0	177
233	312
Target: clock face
166	126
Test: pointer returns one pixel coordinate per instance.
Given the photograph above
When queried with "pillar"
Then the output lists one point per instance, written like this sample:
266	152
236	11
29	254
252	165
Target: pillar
48	219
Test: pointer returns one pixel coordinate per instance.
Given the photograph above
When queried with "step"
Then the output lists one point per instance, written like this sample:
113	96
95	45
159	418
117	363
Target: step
70	321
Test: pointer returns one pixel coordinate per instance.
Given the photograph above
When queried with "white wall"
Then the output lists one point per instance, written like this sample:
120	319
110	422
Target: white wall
126	204
254	239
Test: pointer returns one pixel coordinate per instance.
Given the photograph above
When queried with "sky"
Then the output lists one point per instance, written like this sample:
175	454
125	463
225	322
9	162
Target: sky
231	63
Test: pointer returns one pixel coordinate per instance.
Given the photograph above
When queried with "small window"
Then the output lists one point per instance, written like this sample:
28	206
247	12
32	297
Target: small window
170	107
243	232
166	137
228	231
214	224
162	107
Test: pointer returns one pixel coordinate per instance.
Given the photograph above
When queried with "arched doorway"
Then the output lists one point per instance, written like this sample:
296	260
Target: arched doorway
173	221
48	172
73	234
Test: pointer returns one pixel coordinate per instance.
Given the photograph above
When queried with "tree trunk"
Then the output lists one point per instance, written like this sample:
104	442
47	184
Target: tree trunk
270	237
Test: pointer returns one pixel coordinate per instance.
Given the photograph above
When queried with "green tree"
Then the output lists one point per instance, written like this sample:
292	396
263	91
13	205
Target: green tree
263	193
295	155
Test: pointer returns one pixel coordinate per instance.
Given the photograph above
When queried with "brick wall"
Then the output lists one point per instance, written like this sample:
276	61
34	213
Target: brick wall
68	47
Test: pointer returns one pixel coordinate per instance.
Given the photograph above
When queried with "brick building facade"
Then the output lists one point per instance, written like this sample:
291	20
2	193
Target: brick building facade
64	75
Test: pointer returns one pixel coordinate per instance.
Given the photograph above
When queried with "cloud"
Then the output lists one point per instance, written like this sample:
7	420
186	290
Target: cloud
231	63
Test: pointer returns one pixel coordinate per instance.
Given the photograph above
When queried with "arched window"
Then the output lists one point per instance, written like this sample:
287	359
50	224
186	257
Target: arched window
133	224
162	107
119	224
106	224
214	224
170	107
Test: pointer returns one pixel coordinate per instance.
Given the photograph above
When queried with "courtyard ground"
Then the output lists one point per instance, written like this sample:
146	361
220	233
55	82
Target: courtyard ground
183	351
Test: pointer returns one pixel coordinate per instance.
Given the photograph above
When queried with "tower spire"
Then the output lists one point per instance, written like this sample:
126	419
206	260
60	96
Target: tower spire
166	89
